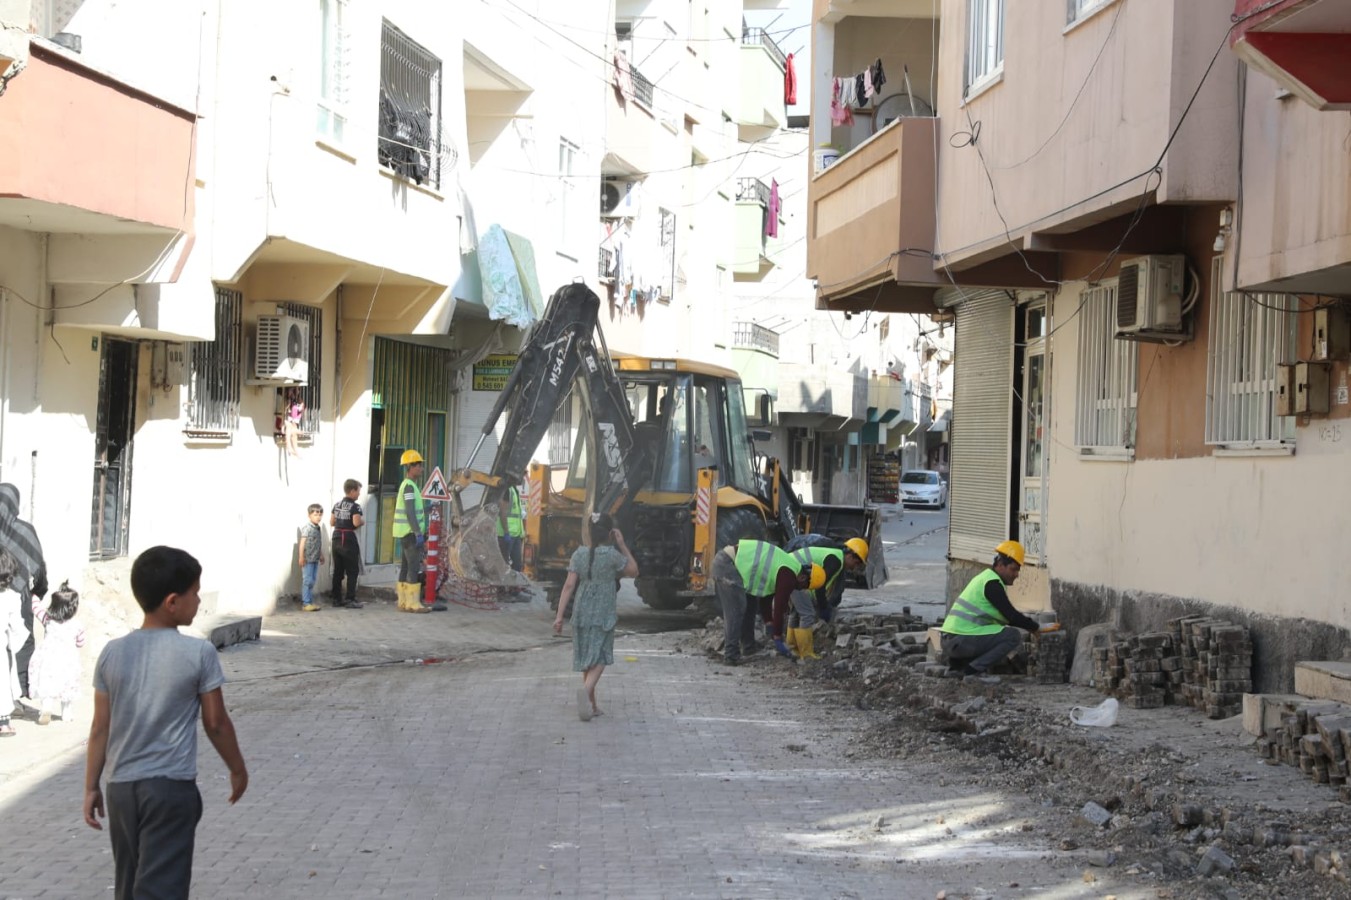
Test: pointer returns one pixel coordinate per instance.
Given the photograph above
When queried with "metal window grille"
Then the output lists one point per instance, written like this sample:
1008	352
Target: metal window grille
751	336
1250	334
604	263
1107	375
567	170
409	139
668	236
312	393
560	434
984	39
214	387
752	189
753	36
642	88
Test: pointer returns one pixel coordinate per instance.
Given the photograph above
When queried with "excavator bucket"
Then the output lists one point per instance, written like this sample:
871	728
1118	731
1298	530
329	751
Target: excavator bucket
473	554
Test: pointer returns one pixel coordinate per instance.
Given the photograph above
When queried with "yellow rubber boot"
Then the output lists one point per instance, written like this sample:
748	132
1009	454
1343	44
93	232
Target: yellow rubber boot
805	645
407	598
791	635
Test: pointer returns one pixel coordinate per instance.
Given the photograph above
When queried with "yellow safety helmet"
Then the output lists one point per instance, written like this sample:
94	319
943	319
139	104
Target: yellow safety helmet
817	579
858	547
1012	549
409	457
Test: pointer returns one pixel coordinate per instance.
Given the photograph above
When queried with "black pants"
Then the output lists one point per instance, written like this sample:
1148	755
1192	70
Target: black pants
346	563
153	826
26	651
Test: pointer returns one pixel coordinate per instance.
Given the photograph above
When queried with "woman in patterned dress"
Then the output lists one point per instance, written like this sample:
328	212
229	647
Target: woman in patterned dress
593	576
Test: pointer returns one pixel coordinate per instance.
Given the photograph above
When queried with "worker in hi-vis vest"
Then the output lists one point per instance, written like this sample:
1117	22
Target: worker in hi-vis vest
510	527
746	575
410	534
981	627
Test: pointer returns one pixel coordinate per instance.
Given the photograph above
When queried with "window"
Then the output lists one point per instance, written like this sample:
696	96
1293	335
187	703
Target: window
311	394
1249	335
213	389
666	277
567	171
1106	386
410	108
1079	9
984	41
333	61
560	433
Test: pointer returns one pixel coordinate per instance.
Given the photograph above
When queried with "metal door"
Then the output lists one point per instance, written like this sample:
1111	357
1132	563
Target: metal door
114	429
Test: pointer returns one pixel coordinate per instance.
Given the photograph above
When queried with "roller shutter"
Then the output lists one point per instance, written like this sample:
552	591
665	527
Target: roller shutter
982	415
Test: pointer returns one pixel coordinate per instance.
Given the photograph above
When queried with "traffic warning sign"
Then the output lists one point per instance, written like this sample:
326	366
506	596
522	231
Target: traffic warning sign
436	488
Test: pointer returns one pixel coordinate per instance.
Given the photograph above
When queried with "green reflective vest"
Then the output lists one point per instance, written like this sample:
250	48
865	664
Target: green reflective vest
971	613
401	526
759	563
515	521
817	556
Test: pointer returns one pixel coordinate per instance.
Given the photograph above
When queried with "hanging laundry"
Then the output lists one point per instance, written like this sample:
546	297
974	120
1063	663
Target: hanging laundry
879	77
789	82
772	223
868	83
840	113
623	76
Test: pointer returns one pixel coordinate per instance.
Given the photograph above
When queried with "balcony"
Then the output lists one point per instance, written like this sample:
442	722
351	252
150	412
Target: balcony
891	408
633	133
1302	44
754	247
750	336
871	222
821	397
760	110
81	152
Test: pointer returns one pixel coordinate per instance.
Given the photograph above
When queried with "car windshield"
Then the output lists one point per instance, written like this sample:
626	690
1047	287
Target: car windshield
919	478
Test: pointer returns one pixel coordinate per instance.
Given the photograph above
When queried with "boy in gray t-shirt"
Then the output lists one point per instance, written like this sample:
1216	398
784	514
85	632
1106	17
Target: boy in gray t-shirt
149	687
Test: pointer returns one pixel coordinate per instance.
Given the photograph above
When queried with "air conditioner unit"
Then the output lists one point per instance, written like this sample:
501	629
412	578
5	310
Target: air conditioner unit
618	198
282	350
1150	294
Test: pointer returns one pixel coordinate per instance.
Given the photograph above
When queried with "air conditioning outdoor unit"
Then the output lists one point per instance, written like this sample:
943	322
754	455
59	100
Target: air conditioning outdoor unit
283	350
618	198
1150	294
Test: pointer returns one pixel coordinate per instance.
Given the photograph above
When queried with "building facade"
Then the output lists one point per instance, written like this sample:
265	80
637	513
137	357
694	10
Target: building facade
1143	242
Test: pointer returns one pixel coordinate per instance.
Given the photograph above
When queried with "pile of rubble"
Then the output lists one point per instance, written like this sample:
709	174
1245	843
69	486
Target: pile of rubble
1199	661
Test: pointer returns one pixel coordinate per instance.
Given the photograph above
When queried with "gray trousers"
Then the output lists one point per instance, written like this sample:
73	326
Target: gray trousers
738	613
981	651
804	604
410	559
153	826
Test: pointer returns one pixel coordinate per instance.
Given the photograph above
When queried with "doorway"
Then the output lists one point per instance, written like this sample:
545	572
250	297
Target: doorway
1035	389
115	425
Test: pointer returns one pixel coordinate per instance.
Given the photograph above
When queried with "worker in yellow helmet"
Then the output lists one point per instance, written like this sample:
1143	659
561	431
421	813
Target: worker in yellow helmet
410	534
754	574
836	559
981	627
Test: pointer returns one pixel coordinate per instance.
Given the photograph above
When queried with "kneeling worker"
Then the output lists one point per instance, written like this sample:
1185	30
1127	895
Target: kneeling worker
747	573
982	626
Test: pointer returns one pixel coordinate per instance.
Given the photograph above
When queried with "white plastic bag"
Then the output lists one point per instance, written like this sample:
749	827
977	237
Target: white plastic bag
1101	716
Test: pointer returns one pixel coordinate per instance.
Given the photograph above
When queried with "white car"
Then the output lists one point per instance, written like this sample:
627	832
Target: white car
923	487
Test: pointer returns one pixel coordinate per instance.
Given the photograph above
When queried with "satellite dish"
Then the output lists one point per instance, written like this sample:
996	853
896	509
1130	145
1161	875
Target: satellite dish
899	106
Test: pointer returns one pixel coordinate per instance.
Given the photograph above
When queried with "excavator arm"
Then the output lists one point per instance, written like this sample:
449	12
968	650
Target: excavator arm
565	348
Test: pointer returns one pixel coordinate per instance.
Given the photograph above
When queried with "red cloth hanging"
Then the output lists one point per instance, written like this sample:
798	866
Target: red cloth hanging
789	82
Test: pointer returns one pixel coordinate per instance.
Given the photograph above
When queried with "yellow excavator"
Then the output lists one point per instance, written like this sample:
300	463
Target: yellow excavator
664	446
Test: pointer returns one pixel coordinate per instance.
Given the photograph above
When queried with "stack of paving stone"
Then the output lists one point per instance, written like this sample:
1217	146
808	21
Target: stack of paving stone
900	633
1109	667
1316	737
1216	664
1132	669
1048	657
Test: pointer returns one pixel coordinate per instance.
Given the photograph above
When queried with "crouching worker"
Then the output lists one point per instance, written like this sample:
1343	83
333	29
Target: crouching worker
982	626
751	574
835	559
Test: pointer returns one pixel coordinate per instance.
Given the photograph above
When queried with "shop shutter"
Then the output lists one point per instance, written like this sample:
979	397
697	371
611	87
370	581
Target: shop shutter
982	414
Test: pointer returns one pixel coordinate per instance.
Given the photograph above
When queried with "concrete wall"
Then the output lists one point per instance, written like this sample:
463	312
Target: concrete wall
1115	131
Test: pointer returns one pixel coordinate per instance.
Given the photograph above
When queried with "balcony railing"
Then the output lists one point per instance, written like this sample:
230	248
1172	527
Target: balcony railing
750	336
760	36
752	189
642	88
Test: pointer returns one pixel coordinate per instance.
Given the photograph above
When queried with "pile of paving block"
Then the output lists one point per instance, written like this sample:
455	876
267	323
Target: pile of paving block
1198	661
1314	735
1048	657
902	634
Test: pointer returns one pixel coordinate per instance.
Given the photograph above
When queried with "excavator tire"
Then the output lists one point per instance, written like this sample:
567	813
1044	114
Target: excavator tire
661	594
739	523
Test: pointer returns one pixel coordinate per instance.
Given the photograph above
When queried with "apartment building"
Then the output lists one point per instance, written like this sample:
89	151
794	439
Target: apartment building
1135	214
354	213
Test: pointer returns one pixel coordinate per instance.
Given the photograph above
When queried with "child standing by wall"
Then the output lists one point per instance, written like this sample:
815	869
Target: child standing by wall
54	673
310	555
593	575
345	519
149	687
13	635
